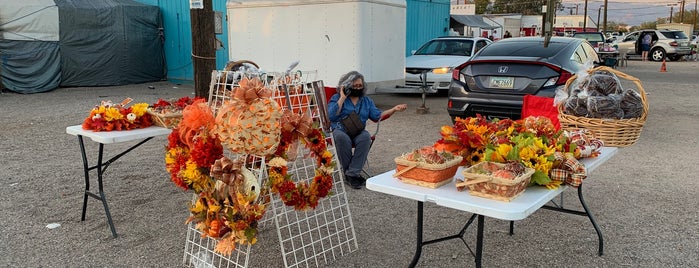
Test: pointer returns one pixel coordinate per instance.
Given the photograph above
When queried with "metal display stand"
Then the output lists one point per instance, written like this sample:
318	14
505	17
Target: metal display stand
306	238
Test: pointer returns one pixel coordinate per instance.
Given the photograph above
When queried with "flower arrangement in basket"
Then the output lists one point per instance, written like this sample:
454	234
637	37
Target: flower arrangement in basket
108	116
531	141
499	181
168	114
427	167
595	100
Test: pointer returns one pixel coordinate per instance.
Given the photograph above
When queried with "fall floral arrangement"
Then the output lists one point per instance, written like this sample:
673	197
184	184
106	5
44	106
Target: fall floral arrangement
169	113
228	200
531	141
108	116
231	209
193	148
300	195
249	123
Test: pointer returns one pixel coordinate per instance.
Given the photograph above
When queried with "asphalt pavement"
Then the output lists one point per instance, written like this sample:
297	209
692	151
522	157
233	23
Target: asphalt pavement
644	198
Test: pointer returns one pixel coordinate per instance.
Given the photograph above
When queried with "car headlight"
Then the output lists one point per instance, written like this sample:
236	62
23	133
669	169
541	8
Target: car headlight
442	70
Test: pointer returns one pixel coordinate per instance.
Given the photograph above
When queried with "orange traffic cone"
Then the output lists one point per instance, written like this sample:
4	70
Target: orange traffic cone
663	67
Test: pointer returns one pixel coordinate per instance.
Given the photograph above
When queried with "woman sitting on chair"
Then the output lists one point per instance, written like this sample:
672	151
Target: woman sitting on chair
351	103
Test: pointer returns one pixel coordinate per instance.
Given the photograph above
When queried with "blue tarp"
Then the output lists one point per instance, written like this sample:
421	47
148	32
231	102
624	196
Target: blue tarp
101	43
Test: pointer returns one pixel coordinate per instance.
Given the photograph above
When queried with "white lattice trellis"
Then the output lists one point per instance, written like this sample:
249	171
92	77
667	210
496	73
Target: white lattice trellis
306	238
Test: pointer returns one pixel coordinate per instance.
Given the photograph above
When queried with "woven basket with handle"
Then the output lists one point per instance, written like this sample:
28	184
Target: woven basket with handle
613	132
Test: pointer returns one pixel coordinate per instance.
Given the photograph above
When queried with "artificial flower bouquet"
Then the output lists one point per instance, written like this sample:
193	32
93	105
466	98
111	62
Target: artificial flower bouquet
531	141
108	116
427	167
168	114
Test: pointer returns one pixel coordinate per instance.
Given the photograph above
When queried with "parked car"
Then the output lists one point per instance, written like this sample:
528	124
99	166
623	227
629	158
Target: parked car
672	44
596	39
493	83
437	58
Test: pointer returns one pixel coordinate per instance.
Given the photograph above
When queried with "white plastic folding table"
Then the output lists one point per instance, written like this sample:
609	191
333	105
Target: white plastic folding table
528	202
108	137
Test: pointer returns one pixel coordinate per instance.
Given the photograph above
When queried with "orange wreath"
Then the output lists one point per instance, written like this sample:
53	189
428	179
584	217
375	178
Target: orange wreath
301	195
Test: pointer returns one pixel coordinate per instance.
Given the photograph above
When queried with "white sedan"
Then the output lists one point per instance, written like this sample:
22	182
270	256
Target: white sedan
437	59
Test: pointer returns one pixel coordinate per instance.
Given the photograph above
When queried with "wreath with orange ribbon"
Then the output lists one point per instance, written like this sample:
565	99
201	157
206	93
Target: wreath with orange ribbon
301	195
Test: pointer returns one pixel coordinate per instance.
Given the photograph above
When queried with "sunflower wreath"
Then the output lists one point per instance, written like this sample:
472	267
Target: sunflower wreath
301	195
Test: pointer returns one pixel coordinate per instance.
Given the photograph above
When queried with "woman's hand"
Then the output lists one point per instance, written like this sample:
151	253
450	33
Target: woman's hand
400	107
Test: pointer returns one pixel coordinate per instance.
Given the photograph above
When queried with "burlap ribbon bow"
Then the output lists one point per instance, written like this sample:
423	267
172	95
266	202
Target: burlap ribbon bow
568	170
295	126
251	90
232	177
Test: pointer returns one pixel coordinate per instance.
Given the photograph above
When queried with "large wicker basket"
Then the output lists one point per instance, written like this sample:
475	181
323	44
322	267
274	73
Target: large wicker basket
167	120
613	132
492	187
427	175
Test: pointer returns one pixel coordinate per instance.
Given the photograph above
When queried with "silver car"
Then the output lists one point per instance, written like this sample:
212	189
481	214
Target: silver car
437	59
672	44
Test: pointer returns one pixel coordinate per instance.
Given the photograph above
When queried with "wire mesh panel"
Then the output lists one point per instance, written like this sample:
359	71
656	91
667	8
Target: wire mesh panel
306	238
199	252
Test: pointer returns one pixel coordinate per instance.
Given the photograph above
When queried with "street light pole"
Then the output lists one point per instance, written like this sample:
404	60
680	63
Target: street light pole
599	10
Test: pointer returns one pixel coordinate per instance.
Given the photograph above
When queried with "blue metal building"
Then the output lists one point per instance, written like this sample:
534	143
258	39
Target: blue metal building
425	19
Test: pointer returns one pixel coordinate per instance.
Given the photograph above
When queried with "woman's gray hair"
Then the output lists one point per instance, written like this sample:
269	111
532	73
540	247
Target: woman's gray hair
347	79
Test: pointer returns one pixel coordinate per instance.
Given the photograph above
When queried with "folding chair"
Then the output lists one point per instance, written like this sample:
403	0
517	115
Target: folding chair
366	171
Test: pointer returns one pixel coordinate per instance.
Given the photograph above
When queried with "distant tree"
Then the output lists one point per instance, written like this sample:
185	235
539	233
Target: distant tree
525	7
481	6
648	25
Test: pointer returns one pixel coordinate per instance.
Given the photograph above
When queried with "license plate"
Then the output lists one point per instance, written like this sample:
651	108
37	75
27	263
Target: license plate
502	82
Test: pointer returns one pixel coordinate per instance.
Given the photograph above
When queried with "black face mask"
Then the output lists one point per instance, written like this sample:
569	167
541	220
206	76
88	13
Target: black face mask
356	92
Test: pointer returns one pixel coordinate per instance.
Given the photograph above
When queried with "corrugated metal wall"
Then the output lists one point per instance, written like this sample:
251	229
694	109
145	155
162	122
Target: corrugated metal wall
178	37
425	19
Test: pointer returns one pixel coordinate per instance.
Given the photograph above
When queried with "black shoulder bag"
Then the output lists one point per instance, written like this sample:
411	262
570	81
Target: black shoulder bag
352	124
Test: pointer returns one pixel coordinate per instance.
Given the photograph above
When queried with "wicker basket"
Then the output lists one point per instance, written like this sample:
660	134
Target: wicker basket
492	187
168	120
427	175
613	132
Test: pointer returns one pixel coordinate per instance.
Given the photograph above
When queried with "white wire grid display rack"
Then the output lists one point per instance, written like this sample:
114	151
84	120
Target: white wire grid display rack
306	238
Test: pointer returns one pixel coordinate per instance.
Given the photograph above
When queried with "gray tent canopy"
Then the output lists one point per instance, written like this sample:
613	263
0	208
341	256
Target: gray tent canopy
99	43
473	21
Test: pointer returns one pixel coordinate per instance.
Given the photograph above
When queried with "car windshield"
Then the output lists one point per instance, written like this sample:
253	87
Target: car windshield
446	47
590	37
523	49
675	35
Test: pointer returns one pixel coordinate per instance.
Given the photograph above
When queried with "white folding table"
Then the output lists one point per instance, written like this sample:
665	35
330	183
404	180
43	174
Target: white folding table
531	200
108	137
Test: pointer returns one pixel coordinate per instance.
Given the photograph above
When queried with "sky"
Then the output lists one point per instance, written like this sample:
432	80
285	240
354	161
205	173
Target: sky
631	12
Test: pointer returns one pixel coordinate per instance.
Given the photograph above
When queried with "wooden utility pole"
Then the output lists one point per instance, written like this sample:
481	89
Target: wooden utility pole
585	19
604	30
203	46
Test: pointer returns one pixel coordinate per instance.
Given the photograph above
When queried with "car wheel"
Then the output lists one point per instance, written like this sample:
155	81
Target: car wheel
675	57
657	54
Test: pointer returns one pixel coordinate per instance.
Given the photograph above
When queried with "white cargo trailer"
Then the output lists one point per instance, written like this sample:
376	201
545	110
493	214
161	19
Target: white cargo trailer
331	37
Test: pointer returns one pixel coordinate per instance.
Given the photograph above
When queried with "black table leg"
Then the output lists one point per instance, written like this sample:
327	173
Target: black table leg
479	241
101	191
592	220
418	248
101	167
586	213
87	176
